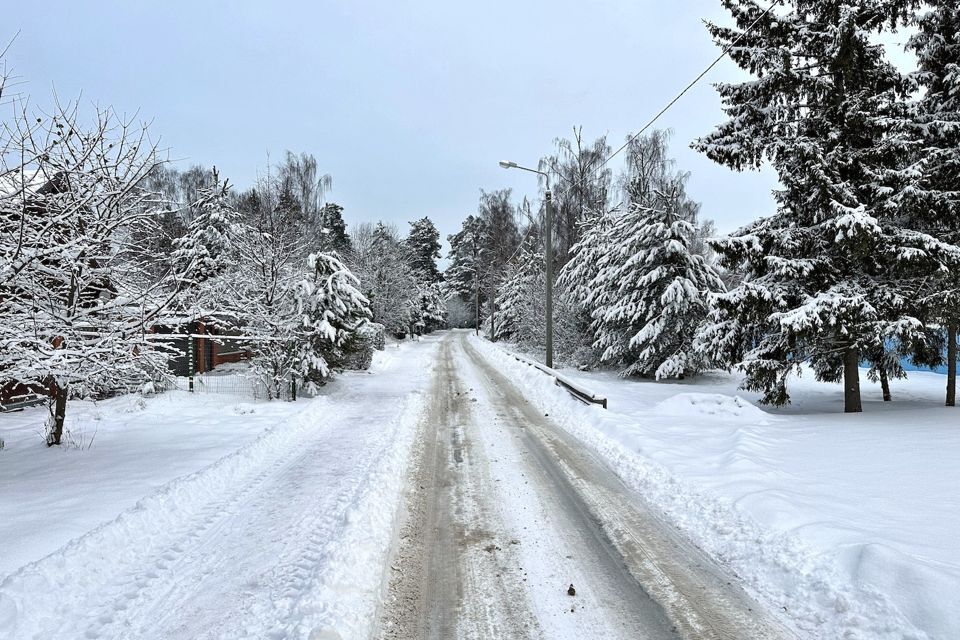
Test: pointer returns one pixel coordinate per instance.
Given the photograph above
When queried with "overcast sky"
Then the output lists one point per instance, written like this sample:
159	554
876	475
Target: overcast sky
408	105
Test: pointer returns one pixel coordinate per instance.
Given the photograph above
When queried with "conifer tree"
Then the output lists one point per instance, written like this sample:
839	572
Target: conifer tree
432	306
650	292
825	275
519	294
332	309
423	249
333	230
467	270
209	246
932	177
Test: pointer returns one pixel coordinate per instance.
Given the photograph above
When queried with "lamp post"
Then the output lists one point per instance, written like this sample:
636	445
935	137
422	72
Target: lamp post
548	251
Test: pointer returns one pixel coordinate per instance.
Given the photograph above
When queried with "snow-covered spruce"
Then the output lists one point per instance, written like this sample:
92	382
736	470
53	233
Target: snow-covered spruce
209	247
332	310
519	307
431	307
929	181
650	292
832	275
467	268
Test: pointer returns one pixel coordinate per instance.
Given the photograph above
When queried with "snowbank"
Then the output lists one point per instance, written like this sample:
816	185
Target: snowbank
846	525
320	570
715	405
118	451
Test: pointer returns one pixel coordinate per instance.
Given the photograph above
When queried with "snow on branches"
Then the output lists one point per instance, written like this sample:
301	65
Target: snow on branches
331	309
650	292
838	265
76	295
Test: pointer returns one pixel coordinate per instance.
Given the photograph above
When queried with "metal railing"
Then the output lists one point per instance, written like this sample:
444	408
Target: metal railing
575	389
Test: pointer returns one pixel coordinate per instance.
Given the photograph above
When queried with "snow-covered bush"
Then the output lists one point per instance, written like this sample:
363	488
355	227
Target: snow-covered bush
376	334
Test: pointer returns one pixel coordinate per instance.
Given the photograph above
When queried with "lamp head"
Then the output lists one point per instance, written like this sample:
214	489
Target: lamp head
506	164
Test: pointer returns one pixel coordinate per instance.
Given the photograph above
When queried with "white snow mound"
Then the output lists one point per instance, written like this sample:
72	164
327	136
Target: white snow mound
717	405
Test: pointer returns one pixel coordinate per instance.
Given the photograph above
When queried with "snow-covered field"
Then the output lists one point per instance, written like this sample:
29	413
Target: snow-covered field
848	524
129	535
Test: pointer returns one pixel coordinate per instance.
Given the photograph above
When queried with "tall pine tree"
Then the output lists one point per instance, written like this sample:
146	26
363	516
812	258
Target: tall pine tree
932	179
423	249
825	275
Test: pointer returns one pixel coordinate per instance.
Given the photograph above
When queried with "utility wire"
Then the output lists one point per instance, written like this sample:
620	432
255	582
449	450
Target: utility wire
687	88
649	124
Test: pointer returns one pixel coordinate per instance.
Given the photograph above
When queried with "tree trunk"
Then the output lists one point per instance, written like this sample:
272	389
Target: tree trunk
851	381
885	384
55	432
478	309
951	364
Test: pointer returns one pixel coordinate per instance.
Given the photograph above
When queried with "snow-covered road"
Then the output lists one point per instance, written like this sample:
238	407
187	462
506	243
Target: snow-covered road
285	538
506	511
427	500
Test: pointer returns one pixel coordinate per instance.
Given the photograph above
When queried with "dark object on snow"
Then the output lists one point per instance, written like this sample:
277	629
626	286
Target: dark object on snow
571	591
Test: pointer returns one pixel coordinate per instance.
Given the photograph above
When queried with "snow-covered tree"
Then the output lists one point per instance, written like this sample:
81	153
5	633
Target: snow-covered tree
386	279
468	268
581	187
521	282
422	245
208	248
75	298
501	239
931	178
333	230
521	309
259	295
331	309
432	306
577	275
650	292
824	275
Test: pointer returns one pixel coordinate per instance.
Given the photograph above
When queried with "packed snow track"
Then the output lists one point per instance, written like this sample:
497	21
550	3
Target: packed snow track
513	530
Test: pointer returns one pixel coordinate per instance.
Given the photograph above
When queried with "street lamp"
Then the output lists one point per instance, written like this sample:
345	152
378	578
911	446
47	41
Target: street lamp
548	251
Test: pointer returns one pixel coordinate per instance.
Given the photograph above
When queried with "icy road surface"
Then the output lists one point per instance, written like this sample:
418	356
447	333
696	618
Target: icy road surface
506	511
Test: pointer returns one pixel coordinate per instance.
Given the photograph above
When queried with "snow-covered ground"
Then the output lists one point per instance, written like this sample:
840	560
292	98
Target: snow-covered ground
848	524
130	534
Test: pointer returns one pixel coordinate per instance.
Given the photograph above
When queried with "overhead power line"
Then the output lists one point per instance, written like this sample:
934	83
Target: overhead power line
676	98
660	113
